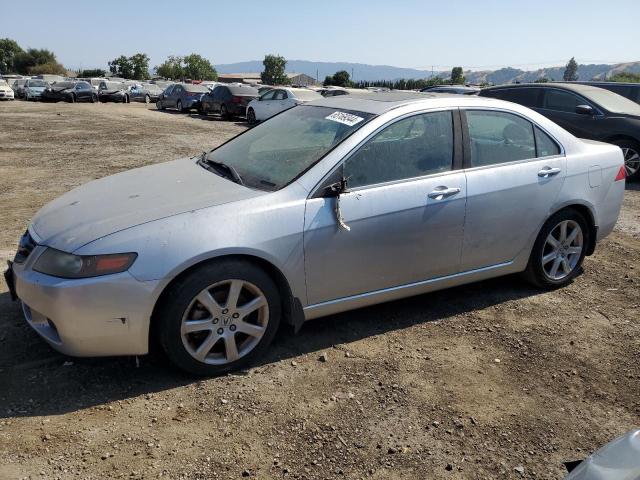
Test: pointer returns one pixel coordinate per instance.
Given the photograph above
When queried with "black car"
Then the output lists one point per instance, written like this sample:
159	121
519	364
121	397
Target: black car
69	92
628	90
228	100
113	92
586	111
456	89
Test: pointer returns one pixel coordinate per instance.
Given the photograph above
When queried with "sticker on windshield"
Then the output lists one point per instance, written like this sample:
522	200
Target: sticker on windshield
346	118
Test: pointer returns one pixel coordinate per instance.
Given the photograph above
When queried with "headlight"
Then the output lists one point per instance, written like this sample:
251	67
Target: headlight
66	265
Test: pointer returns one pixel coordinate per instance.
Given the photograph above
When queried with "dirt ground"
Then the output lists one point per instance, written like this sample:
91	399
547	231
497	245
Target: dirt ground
493	380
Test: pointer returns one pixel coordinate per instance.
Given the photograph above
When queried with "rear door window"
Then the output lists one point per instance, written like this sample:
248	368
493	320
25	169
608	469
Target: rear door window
545	145
499	137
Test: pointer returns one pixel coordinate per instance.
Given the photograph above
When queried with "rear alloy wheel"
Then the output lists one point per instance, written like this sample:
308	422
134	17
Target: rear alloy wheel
159	105
219	318
559	250
147	99
224	113
179	106
251	117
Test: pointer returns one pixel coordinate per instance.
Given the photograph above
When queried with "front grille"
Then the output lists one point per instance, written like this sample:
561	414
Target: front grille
25	247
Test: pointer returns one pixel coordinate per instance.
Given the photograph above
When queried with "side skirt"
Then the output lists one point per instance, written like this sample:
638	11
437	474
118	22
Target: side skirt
409	290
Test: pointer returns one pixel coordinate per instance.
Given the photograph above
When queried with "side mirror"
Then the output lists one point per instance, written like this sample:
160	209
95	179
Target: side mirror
336	189
585	110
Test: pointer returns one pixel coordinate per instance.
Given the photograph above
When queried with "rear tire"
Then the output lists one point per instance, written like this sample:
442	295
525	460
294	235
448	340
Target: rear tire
72	98
179	106
631	151
159	105
202	324
557	255
224	113
147	99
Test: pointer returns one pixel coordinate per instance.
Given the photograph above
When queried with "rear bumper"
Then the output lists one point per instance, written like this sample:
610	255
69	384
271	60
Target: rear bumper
100	316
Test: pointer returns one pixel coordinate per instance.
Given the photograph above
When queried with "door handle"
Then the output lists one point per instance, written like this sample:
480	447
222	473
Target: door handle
548	172
443	192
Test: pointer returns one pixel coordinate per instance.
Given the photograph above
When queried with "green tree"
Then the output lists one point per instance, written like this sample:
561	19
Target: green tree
328	81
571	71
140	65
457	76
541	80
121	67
627	77
95	72
171	68
8	50
197	67
25	61
49	68
274	70
341	79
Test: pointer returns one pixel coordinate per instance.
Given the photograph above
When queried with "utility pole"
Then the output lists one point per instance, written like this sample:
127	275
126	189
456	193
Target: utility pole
352	79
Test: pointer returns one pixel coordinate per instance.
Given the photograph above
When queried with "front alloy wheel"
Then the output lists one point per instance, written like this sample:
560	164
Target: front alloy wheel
224	322
219	317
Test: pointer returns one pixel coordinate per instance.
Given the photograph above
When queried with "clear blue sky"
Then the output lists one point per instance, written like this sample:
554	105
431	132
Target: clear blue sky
472	33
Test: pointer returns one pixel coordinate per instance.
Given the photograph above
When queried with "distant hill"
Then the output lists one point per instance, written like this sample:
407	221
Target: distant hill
362	71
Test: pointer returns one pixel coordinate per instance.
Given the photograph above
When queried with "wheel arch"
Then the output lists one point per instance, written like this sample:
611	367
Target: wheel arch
292	313
621	136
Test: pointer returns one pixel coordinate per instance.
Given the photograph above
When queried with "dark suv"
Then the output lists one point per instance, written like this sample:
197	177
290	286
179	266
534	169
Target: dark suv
586	111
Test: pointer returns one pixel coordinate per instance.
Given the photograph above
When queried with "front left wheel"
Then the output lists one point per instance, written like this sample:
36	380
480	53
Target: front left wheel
219	318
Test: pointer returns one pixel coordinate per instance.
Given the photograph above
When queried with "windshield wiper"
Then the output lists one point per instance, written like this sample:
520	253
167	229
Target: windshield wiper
220	167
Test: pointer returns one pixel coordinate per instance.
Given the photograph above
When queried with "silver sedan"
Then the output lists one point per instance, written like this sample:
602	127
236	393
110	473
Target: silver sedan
334	205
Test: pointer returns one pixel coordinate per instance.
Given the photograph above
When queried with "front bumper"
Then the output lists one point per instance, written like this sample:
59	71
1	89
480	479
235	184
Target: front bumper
111	97
6	95
100	316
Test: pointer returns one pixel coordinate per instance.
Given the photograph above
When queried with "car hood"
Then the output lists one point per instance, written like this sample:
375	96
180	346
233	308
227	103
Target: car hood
131	198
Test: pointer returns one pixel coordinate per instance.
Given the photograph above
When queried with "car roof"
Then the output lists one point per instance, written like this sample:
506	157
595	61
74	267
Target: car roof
575	87
378	103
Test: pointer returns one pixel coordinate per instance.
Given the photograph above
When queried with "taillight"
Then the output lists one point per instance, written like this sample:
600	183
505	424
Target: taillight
235	99
622	174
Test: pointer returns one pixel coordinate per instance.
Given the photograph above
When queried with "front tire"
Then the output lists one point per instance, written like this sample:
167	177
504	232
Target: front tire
147	99
179	106
72	98
219	318
559	250
631	152
251	117
159	105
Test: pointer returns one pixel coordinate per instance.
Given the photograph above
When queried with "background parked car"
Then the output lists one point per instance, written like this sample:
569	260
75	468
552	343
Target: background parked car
113	92
277	100
6	92
182	97
228	100
457	89
33	88
628	90
586	111
18	87
69	92
146	93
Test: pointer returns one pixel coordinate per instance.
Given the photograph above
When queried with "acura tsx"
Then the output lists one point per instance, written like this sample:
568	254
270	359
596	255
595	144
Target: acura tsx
333	205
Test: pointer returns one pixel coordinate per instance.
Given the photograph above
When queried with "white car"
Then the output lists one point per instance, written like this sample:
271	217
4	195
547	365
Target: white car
277	100
6	92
